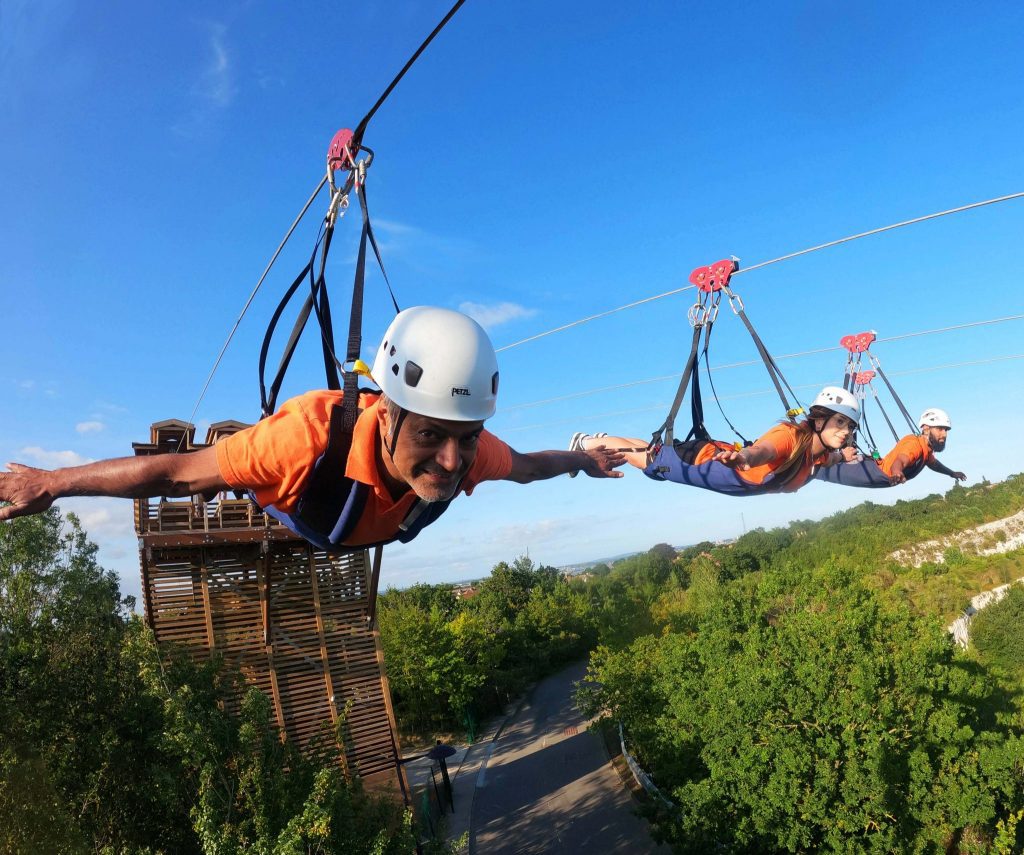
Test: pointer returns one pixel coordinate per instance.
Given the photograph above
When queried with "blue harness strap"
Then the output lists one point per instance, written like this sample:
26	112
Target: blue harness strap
865	473
668	465
331	504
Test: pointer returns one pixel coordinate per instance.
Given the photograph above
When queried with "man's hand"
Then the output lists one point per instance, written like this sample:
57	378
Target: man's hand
174	475
26	488
733	459
896	476
601	462
959	476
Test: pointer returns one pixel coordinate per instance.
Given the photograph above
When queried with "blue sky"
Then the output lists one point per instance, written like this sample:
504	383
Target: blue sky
541	163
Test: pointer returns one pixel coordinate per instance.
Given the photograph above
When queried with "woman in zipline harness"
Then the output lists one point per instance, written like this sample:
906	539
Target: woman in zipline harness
781	461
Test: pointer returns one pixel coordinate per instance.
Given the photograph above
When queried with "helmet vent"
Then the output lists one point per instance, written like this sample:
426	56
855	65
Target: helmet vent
413	373
494	384
394	368
392	351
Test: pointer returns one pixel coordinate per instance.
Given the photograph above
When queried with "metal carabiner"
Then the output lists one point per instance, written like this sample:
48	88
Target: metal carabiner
337	206
735	301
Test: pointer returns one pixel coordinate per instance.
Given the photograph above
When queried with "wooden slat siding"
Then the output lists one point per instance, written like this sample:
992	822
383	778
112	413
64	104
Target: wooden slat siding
147	599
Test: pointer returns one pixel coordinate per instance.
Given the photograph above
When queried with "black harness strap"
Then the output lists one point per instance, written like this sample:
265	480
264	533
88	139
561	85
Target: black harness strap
769	363
328	489
268	402
667	427
888	421
899	403
866	428
707	365
698	430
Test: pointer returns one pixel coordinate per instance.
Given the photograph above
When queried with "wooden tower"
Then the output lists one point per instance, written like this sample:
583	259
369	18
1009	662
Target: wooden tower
220	575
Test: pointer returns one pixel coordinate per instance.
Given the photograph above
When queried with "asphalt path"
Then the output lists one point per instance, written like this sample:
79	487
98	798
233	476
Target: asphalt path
547	785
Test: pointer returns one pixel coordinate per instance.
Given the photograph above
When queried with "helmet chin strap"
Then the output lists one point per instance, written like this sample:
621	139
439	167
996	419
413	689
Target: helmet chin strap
817	433
393	433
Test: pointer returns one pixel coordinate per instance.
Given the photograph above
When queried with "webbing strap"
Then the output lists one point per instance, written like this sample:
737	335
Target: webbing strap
773	369
714	391
888	421
666	429
899	403
697	428
355	322
866	428
322	306
268	402
318	302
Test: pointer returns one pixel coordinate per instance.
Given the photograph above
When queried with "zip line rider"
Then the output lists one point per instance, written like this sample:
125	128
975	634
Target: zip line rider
415	446
906	460
781	461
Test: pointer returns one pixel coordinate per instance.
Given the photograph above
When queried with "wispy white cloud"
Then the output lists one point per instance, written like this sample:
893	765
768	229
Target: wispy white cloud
422	250
215	87
26	384
217	82
495	314
395	228
52	459
90	427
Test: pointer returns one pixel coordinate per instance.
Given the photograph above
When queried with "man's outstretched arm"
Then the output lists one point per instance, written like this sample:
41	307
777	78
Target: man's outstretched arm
935	466
31	490
598	462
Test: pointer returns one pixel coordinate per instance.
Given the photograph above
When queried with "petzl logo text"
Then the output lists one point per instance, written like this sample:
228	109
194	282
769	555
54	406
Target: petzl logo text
457	390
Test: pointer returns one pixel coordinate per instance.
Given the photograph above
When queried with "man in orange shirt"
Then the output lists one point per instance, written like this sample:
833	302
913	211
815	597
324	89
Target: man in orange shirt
415	446
914	452
910	455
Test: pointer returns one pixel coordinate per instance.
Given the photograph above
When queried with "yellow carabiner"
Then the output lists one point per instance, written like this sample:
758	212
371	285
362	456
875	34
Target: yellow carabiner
360	367
796	411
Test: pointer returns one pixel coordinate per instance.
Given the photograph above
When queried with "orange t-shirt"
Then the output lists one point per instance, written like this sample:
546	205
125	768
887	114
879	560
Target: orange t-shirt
782	438
917	451
274	458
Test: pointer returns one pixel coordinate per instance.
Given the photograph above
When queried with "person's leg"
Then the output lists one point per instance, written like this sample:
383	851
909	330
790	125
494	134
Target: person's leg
864	473
635	450
669	465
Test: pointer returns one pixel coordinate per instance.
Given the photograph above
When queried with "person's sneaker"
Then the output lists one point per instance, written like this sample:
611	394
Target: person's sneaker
576	444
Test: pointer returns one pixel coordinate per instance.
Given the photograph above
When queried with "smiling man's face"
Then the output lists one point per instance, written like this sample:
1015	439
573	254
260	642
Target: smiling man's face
431	455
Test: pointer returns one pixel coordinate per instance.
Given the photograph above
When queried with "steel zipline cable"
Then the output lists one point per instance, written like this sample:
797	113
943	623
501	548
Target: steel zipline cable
739	395
648	380
969	207
357	137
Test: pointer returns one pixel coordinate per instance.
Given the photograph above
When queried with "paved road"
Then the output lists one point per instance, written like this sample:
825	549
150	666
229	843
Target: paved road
548	787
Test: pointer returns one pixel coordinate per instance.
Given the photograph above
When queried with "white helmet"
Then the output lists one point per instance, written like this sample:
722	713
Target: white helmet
934	417
438	363
838	400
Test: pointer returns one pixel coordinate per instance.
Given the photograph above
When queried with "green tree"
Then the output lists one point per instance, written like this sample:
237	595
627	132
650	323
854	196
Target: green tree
807	714
75	717
997	633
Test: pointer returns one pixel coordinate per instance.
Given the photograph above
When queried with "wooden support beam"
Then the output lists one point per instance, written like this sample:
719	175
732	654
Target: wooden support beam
325	661
396	748
262	585
211	640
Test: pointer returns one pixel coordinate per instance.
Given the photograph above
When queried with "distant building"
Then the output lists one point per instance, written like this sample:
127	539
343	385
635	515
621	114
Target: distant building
464	592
